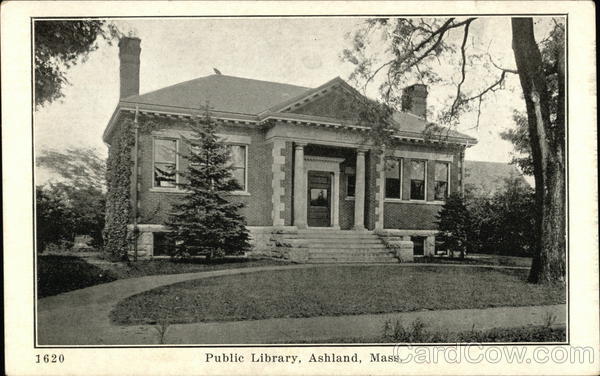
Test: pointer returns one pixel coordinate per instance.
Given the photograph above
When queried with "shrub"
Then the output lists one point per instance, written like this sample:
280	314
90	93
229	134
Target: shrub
205	221
58	274
417	332
454	223
73	201
502	223
54	220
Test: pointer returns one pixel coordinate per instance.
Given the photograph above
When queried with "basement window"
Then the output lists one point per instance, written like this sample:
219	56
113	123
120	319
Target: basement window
418	245
162	244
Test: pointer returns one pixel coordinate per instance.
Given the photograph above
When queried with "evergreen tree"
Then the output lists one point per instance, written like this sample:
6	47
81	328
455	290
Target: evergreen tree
453	223
204	221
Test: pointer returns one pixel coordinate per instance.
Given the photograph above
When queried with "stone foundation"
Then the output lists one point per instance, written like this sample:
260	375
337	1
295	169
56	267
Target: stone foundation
402	246
278	243
283	243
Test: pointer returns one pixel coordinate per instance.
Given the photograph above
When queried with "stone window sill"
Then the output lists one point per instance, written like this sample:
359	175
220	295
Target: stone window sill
167	190
420	202
181	191
239	193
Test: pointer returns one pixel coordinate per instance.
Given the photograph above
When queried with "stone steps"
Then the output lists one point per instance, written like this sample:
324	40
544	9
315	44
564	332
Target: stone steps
350	251
345	246
347	259
338	236
344	240
342	246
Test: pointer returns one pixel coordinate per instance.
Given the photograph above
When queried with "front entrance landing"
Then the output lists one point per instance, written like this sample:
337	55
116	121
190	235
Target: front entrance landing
329	245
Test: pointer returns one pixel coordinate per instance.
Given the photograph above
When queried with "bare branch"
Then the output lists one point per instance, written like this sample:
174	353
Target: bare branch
463	69
491	88
514	71
372	76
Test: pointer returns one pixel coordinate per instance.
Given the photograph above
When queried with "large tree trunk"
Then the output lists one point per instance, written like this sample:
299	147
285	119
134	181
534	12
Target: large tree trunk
547	146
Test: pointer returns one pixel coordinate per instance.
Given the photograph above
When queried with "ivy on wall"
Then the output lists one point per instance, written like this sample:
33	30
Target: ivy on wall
119	166
118	195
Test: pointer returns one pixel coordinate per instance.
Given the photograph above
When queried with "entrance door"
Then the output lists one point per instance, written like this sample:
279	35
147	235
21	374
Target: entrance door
319	199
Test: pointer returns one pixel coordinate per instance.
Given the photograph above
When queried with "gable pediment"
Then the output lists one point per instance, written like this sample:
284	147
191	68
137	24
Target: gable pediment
338	103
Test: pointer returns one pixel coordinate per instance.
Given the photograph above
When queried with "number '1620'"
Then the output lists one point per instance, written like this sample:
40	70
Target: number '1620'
49	358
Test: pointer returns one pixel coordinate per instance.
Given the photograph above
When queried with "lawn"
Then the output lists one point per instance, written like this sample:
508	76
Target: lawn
59	273
332	291
502	335
479	259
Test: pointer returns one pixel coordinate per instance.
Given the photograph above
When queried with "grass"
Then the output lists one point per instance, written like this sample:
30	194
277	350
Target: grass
167	266
333	291
57	274
478	259
417	332
413	334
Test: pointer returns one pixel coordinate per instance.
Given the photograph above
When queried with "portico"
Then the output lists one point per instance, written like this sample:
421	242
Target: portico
316	184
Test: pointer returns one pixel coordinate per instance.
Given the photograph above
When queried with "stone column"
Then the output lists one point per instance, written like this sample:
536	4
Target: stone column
299	187
380	195
359	195
278	177
335	201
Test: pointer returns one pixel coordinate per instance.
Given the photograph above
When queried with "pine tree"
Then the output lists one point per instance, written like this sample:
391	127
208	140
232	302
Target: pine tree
453	223
204	221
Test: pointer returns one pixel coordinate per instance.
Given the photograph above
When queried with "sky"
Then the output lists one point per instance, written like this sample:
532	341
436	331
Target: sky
301	51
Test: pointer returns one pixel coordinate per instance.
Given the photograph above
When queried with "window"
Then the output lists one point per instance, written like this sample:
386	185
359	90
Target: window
237	160
318	197
350	185
393	178
442	170
417	180
418	245
195	150
163	245
238	164
165	163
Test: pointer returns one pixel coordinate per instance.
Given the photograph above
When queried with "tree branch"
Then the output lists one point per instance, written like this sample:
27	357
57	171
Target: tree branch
491	88
514	71
463	69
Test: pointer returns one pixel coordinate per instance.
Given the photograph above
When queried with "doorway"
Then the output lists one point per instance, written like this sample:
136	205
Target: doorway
319	199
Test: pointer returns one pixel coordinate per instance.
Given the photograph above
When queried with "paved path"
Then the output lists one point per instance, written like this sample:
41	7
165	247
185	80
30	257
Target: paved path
81	317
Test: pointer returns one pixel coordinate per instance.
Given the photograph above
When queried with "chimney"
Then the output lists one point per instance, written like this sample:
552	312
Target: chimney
414	100
129	56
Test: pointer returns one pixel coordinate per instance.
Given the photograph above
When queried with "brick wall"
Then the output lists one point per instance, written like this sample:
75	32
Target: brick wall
421	216
155	206
409	216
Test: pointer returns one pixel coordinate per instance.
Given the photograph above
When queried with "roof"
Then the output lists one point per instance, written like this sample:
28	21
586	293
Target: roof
486	178
223	93
255	101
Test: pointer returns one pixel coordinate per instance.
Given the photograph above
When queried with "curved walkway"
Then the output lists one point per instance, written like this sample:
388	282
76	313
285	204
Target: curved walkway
81	317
